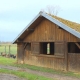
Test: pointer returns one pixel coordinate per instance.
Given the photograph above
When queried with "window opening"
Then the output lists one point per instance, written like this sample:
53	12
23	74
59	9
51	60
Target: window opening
73	47
47	48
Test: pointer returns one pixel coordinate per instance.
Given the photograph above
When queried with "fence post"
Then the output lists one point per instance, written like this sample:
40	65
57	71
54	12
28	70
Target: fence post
9	50
5	49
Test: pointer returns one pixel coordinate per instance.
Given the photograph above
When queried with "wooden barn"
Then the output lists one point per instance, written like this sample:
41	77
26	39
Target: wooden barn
50	41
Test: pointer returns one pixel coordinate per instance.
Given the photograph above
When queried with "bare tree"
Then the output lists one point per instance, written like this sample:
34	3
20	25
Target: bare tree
52	10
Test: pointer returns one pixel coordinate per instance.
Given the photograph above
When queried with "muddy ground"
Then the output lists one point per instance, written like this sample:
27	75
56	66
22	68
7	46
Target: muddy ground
45	74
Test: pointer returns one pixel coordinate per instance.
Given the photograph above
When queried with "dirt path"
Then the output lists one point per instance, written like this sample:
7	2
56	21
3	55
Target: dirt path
45	74
9	77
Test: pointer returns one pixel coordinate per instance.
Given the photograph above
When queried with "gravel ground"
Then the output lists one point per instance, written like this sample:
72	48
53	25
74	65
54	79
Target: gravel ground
45	74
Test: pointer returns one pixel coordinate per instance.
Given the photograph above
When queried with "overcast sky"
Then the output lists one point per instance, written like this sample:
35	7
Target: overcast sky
15	15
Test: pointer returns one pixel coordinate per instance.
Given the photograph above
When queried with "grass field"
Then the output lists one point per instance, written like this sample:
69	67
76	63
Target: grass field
13	48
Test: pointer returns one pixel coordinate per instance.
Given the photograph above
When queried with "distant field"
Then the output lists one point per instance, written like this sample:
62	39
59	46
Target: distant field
13	48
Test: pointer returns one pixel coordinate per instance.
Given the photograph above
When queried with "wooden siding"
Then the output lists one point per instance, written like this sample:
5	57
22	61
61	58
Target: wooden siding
45	61
74	62
20	52
59	48
46	31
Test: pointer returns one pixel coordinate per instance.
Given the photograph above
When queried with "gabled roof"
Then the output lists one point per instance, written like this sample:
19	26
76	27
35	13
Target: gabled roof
58	21
71	24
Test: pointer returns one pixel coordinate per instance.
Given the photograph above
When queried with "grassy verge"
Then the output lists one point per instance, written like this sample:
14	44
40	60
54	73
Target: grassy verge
12	62
7	61
72	74
25	75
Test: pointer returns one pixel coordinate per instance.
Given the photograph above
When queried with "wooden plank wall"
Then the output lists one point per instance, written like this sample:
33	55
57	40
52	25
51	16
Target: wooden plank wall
45	61
74	62
20	52
46	31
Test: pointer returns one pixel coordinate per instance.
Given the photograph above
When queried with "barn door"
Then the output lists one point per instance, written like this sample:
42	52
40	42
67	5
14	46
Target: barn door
35	48
59	48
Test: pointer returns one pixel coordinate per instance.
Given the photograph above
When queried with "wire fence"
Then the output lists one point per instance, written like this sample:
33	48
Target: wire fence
8	49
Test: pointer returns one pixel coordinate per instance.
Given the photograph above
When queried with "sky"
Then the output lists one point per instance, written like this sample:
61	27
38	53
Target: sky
15	15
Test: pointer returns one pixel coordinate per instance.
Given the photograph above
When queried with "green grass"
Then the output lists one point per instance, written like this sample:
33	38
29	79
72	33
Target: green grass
12	62
49	70
7	61
13	48
25	75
